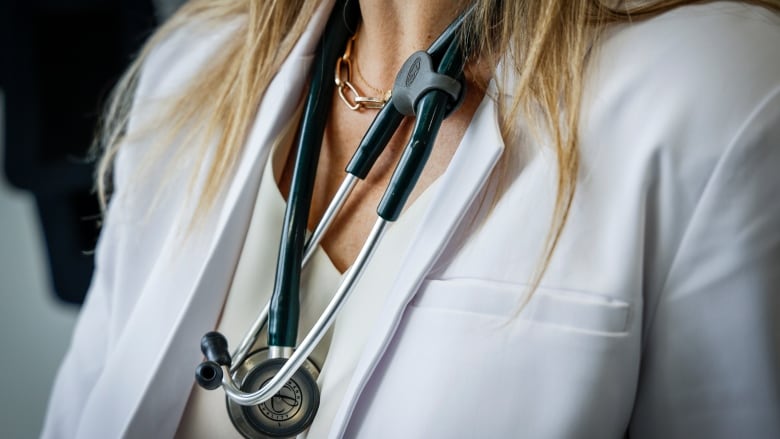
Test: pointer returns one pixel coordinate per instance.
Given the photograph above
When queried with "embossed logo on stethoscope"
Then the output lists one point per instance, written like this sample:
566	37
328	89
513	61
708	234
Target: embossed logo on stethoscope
285	404
413	71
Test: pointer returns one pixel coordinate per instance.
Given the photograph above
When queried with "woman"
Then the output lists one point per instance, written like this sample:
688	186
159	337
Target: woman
591	252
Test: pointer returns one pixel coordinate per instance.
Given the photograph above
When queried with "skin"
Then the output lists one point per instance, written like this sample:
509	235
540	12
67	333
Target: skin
389	33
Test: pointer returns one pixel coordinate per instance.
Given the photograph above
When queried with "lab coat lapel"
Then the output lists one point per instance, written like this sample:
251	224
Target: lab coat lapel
460	185
190	296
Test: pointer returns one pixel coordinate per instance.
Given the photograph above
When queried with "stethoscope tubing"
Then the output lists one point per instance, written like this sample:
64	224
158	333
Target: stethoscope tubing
333	209
284	310
371	146
342	194
431	110
419	152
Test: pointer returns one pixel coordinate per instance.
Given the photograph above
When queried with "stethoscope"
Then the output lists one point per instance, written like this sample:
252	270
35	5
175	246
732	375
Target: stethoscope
273	392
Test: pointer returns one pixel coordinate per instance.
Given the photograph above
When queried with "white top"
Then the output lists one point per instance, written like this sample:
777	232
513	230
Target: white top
205	415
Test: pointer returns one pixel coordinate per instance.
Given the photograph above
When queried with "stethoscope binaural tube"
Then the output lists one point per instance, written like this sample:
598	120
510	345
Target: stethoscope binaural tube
431	98
370	148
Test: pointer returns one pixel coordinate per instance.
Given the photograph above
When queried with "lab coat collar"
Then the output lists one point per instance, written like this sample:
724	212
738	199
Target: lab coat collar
459	188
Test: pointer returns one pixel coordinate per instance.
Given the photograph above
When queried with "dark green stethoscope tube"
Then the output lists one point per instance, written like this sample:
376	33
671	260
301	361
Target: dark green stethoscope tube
431	109
285	304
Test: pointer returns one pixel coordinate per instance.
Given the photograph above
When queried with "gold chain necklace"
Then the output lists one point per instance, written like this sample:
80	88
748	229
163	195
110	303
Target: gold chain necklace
384	93
347	91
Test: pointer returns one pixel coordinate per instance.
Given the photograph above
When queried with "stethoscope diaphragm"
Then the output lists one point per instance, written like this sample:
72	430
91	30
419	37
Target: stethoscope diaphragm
288	412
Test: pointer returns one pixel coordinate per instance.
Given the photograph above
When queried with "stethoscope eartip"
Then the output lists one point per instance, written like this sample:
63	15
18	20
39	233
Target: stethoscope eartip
215	347
208	375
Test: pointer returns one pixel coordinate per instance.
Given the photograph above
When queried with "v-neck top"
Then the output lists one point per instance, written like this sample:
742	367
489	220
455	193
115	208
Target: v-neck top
337	354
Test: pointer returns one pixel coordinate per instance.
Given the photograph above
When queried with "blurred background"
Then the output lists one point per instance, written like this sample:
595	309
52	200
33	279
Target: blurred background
58	61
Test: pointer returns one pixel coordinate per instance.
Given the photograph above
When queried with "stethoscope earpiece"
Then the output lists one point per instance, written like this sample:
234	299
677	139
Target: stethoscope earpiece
214	347
208	375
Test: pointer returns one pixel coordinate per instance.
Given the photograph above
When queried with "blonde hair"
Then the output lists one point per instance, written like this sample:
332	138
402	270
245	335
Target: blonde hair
544	42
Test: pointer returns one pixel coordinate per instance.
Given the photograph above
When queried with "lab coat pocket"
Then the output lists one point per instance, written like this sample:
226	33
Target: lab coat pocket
476	367
567	310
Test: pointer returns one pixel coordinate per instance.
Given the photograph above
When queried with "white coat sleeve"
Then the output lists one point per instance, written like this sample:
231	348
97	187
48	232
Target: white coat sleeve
125	250
86	356
711	352
116	248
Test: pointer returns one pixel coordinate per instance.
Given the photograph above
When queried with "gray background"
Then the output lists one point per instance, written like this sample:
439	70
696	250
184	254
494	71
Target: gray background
34	327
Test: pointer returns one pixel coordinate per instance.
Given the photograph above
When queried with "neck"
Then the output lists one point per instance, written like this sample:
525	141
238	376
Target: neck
392	30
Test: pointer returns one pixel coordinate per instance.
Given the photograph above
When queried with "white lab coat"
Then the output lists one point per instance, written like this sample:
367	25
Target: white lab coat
658	315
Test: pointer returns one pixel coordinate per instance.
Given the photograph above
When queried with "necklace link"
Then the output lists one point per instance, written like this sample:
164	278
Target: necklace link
354	104
347	91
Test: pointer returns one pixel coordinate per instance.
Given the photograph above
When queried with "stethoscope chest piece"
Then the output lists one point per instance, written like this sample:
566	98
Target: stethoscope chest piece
286	414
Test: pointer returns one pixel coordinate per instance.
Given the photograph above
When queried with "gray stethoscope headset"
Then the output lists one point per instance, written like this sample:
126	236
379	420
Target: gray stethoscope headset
273	392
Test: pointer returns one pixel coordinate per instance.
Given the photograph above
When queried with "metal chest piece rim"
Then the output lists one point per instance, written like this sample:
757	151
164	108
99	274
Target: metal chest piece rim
286	414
